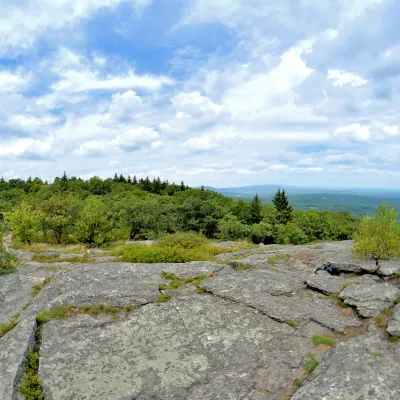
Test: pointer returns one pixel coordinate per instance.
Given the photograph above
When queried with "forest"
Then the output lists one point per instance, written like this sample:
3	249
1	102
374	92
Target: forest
97	211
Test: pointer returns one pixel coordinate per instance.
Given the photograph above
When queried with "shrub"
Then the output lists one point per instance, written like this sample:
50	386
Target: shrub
189	240
232	229
8	262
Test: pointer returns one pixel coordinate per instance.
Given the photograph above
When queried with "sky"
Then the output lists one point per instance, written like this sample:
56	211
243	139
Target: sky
212	92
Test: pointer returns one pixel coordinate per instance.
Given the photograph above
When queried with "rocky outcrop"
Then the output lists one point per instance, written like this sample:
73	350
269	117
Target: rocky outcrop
393	327
370	299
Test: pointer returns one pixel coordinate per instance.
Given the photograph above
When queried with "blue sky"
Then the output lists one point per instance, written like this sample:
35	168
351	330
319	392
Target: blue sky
221	92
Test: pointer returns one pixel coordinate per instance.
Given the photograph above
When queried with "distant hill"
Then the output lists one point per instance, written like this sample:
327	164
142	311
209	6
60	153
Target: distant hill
356	201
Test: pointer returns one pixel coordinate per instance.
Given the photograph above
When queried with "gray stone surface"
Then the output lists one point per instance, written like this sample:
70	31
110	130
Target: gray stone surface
387	268
14	347
370	299
112	284
362	368
393	327
15	289
326	283
196	348
268	292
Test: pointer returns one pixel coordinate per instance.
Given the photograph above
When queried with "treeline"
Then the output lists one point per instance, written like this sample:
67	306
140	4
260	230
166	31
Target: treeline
97	211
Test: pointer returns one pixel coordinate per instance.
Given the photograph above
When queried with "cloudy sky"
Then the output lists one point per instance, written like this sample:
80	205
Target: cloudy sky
214	92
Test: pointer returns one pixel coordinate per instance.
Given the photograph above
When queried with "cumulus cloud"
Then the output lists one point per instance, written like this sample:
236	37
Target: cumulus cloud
28	148
354	132
341	77
12	81
210	141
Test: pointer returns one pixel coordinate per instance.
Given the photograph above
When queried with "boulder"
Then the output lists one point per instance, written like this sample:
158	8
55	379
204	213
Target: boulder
326	283
370	298
362	368
393	327
387	268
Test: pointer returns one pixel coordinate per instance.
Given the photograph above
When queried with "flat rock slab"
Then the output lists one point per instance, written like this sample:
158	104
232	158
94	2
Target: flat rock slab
15	289
362	368
370	299
387	268
196	348
112	284
265	291
393	327
14	347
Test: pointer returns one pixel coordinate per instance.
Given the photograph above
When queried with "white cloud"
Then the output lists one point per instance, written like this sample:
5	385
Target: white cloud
136	139
28	148
21	23
13	81
92	148
342	77
31	121
354	132
210	141
392	130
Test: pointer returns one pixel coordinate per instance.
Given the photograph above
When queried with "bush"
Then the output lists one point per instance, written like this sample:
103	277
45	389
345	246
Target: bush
8	262
94	227
290	234
232	229
187	240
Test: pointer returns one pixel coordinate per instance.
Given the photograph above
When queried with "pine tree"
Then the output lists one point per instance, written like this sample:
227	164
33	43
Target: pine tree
129	180
255	210
183	187
283	209
115	179
134	180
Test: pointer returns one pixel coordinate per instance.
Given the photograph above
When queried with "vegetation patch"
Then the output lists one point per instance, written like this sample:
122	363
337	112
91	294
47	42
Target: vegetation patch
78	259
394	338
381	320
242	267
163	298
298	383
377	354
397	301
279	257
291	323
4	328
310	363
320	339
37	288
39	248
176	283
341	303
8	262
31	386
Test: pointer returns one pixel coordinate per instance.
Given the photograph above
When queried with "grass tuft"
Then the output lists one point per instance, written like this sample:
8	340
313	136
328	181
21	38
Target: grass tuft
57	312
298	383
291	323
37	288
279	257
50	260
320	339
163	298
310	363
394	338
242	267
377	354
30	386
4	328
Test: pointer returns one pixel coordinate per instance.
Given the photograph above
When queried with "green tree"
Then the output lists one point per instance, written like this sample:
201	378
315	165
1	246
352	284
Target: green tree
24	221
60	213
255	210
8	261
283	210
260	232
94	226
231	228
378	237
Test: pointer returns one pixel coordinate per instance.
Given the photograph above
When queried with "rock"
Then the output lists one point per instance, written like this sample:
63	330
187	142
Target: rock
268	292
97	251
326	283
25	255
141	242
112	284
196	348
370	299
14	347
362	368
393	327
387	268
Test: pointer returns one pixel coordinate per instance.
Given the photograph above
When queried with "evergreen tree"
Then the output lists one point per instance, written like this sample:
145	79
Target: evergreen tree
202	189
183	187
283	209
134	180
255	210
115	179
121	179
129	180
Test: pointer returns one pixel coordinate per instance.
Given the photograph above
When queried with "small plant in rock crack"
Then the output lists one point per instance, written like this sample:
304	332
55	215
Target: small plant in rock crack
163	298
319	339
37	288
310	363
291	323
30	386
298	383
394	338
4	328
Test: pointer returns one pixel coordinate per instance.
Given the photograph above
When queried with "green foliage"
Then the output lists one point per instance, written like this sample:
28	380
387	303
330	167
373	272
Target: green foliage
310	363
94	226
319	339
242	267
24	221
289	234
30	386
255	210
283	210
187	240
279	257
85	259
260	232
4	328
378	237
291	323
99	309
232	229
3	229
163	298
176	283
298	383
57	312
8	262
37	288
394	338
59	213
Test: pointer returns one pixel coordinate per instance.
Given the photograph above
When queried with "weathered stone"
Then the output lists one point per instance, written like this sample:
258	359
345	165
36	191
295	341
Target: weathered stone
14	347
200	347
370	299
387	268
362	368
267	292
393	327
326	283
112	284
97	251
